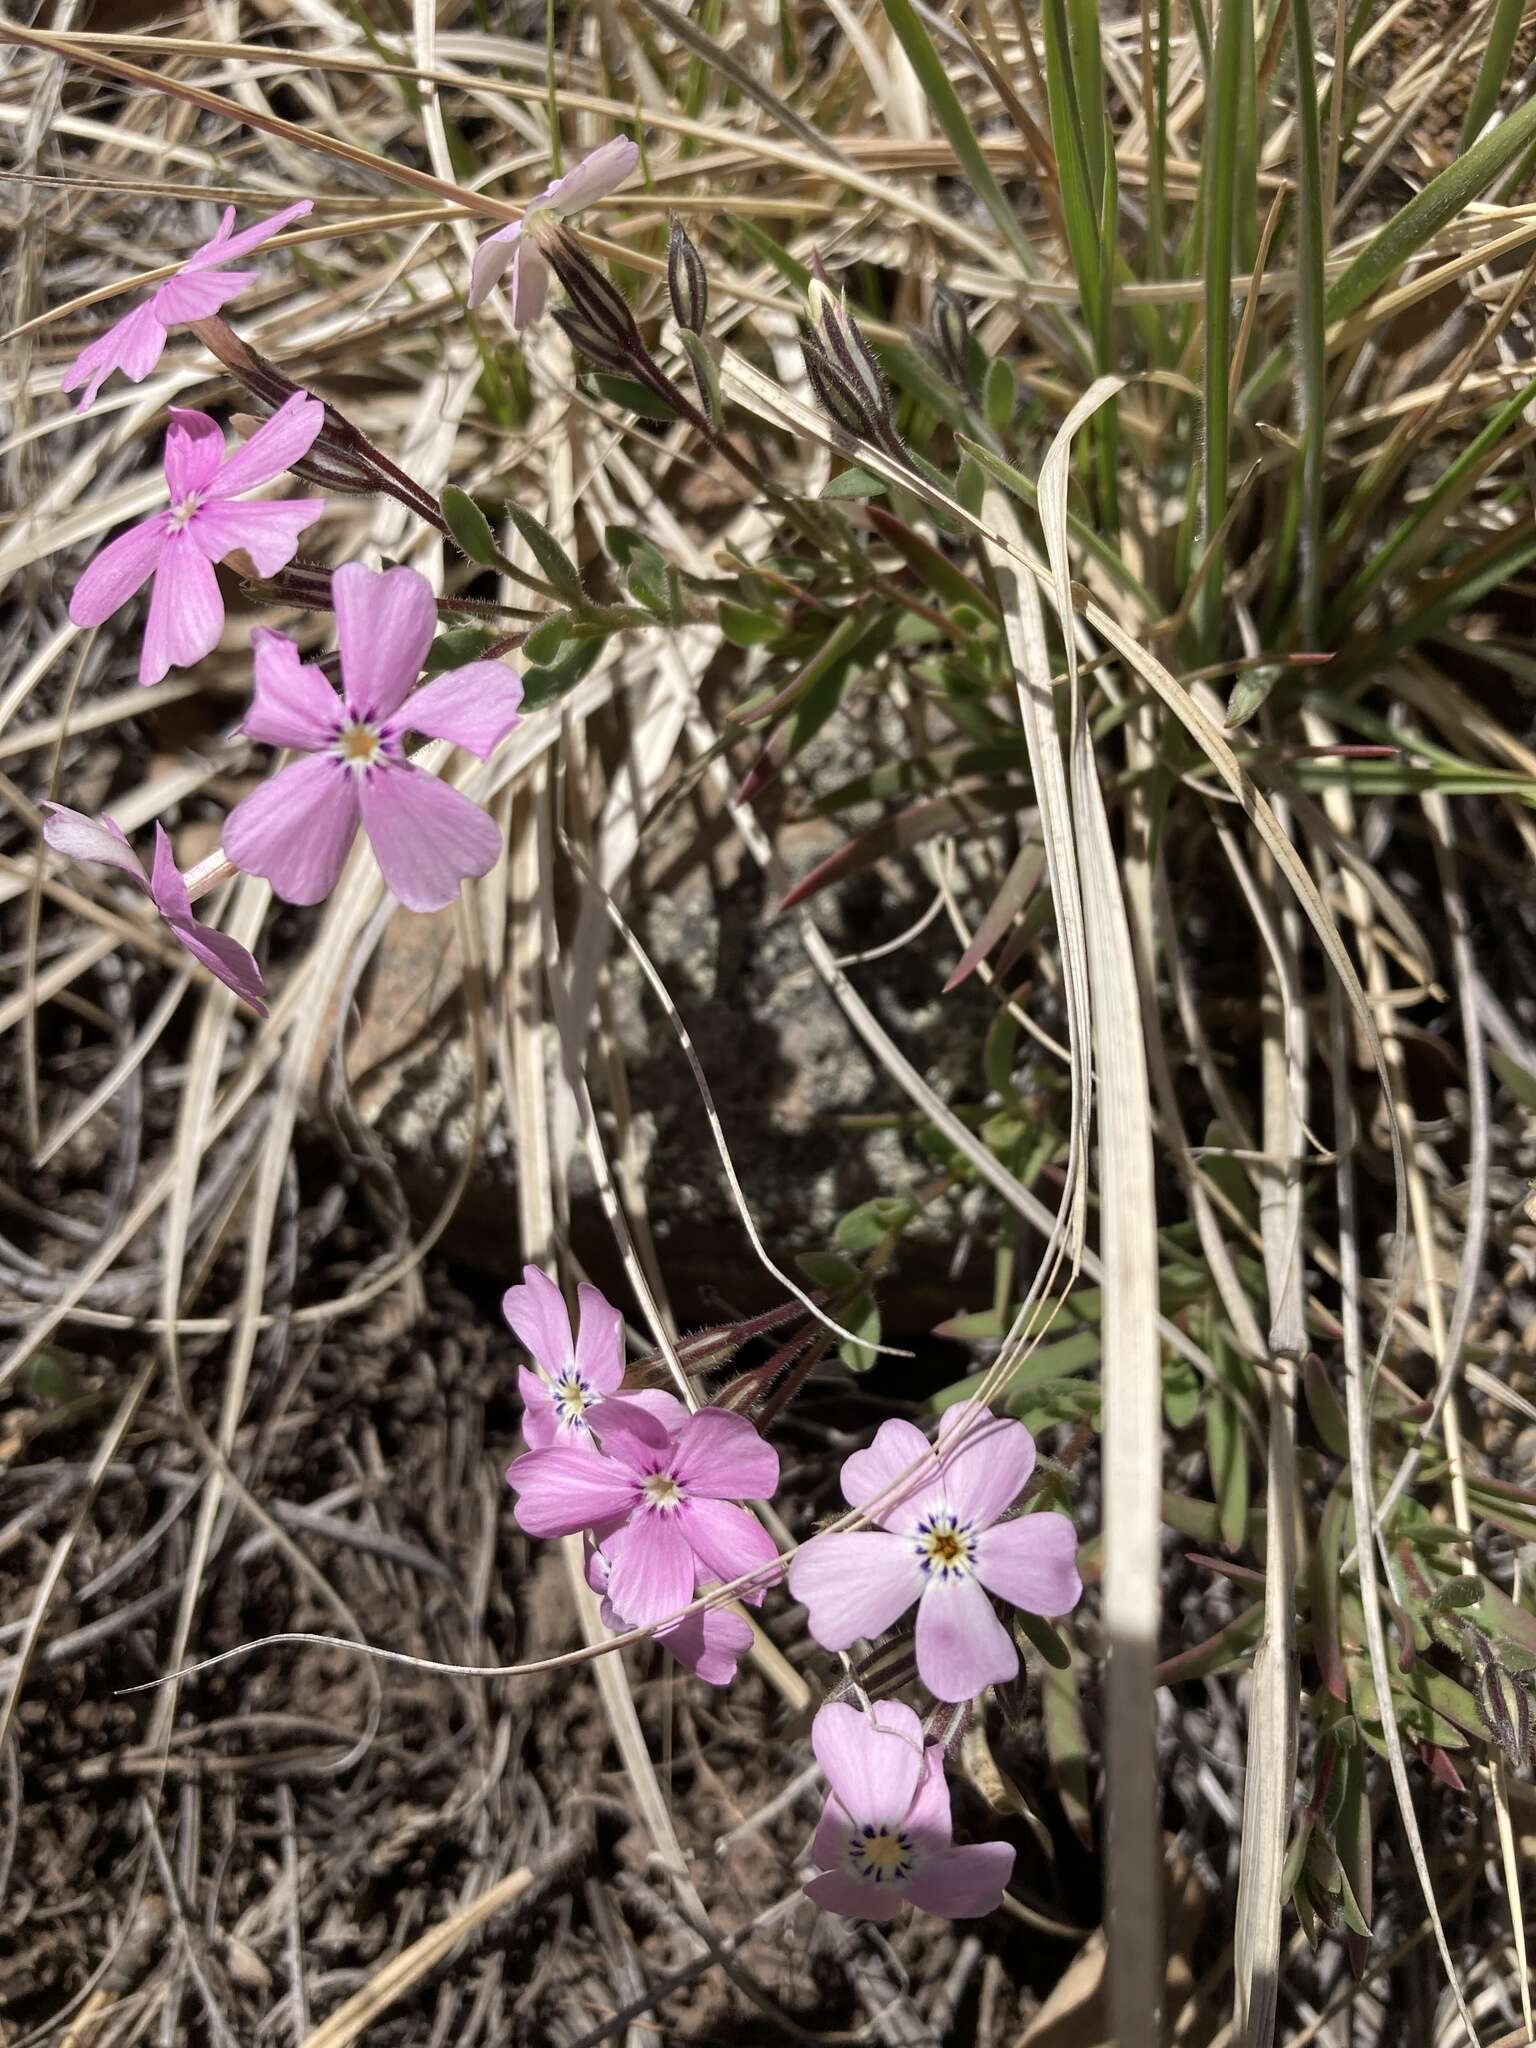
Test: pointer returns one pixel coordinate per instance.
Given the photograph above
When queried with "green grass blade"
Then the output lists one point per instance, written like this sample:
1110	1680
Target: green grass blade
958	128
1311	354
1492	70
1218	198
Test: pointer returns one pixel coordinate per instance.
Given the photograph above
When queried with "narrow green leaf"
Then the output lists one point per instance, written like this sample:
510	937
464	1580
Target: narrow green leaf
470	527
552	559
1491	72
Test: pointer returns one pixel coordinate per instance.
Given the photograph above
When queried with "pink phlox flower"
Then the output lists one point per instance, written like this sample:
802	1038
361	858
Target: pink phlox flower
100	840
939	1542
204	524
661	1502
598	173
710	1643
884	1839
572	1375
199	288
298	827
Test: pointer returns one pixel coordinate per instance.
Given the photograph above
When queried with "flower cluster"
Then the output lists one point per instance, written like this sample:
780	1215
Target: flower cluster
297	829
658	1494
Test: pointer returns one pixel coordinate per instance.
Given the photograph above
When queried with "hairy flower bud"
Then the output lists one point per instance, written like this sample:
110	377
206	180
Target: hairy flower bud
601	307
687	283
1505	1704
838	397
844	344
951	334
592	342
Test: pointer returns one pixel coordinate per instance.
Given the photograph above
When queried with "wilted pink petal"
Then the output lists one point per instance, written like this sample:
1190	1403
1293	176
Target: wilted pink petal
186	612
296	830
181	300
96	839
427	837
384	625
277	444
475	707
1032	1563
598	173
293	705
123	567
194	448
99	840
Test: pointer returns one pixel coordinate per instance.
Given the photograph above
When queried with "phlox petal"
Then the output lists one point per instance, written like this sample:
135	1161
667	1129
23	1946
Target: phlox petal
278	443
872	1762
928	1820
167	889
426	836
540	1429
855	1582
226	959
474	707
490	260
198	295
729	1541
880	1472
226	245
661	1406
296	829
95	839
268	530
293	705
600	171
194	448
630	1431
961	1645
963	1884
652	1567
985	1461
723	1456
529	287
123	566
1032	1563
186	612
856	1898
710	1644
599	1339
385	620
133	345
536	1315
560	1491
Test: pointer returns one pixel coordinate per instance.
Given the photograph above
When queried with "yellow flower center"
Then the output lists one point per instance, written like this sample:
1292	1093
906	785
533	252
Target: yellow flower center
945	1547
661	1491
881	1854
181	515
358	745
572	1398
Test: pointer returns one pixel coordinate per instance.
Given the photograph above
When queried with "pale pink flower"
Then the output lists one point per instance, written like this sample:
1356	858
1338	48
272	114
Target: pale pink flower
298	828
199	288
204	524
710	1643
939	1542
571	1376
100	840
660	1502
884	1839
598	173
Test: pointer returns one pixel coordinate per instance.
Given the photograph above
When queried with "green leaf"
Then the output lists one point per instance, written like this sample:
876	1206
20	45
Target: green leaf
745	628
706	373
828	1269
547	638
863	1318
470	527
999	394
634	396
1490	73
872	1222
456	647
1066	1745
552	559
853	483
547	684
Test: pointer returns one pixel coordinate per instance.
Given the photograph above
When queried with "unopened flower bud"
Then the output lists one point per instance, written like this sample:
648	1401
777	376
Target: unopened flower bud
687	283
591	342
951	334
1505	1705
839	398
600	305
844	344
